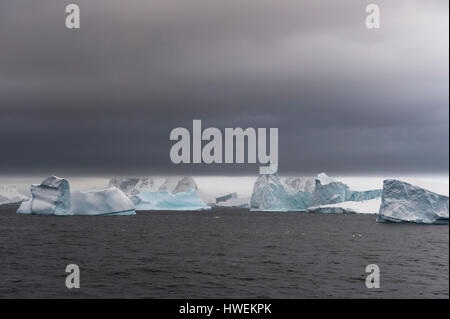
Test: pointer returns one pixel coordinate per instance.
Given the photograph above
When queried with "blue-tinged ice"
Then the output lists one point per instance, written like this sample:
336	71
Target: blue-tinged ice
107	202
403	202
53	197
269	194
165	200
301	193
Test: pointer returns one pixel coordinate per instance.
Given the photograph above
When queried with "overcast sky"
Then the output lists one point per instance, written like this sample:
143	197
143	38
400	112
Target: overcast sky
103	99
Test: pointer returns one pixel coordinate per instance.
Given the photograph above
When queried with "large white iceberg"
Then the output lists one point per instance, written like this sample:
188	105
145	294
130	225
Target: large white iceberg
403	202
165	200
111	201
10	195
299	194
53	197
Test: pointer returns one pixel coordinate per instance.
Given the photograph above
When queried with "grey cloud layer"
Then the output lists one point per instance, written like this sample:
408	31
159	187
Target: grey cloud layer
104	98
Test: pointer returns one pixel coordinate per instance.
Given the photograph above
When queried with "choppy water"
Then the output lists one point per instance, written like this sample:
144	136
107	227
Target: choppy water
221	253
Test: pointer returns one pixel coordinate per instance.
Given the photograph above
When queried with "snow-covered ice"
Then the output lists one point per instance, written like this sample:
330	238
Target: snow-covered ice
403	202
371	206
110	201
269	194
134	185
165	200
51	197
232	200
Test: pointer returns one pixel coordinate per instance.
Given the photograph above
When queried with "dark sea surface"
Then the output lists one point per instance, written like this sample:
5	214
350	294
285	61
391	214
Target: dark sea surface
223	253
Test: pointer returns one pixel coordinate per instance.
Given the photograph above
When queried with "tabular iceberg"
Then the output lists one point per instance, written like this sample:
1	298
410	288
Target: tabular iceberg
111	201
51	197
403	202
167	201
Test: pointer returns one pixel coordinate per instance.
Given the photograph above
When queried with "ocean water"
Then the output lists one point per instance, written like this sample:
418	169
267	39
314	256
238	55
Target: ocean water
224	253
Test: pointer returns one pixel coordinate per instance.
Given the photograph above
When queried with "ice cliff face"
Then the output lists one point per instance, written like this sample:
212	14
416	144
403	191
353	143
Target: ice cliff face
9	195
165	200
270	195
51	197
403	202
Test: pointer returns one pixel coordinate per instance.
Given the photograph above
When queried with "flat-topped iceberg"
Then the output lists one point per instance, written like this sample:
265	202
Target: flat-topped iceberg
53	197
165	200
111	201
403	202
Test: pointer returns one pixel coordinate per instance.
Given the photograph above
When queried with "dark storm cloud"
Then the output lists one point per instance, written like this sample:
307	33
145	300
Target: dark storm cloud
104	98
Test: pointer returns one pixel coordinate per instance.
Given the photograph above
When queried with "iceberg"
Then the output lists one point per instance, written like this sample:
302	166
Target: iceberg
165	200
111	201
51	197
10	195
403	202
301	193
270	195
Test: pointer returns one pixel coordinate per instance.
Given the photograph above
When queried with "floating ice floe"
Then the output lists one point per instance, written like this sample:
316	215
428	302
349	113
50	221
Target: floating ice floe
403	202
165	200
53	197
